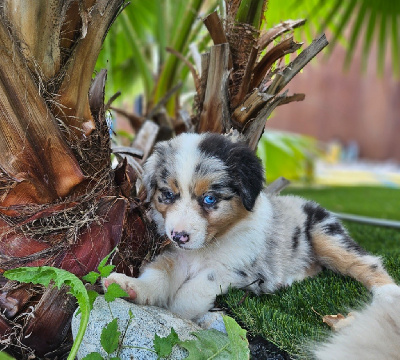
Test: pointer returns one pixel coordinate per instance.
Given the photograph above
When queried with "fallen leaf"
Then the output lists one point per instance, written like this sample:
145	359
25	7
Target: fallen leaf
337	322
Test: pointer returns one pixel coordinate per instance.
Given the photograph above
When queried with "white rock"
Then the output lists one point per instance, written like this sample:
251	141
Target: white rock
147	321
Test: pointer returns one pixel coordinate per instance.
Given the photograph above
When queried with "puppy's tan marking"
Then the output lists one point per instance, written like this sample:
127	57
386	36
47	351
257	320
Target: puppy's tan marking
226	216
349	263
201	186
173	185
161	207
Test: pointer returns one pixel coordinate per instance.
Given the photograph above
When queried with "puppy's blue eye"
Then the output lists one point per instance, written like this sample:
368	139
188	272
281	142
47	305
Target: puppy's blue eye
209	200
168	196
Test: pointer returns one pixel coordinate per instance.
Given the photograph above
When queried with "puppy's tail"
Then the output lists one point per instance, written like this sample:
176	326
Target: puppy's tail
373	334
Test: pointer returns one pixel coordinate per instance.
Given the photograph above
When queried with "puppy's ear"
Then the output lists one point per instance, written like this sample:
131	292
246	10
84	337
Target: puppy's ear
150	169
248	173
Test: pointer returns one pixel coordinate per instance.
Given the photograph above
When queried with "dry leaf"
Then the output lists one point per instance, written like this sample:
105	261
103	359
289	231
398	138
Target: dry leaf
337	322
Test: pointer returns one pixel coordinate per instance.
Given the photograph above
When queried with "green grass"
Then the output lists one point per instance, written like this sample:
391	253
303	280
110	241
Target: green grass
291	317
367	201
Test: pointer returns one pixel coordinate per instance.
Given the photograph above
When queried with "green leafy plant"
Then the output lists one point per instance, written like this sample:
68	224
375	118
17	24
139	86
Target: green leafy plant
163	345
208	344
289	155
135	51
213	344
47	275
5	356
110	337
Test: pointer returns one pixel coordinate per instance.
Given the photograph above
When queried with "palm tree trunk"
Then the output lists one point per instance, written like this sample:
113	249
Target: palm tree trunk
59	203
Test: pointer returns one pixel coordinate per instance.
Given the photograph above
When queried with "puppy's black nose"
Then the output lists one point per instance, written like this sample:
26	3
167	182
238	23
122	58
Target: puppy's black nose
180	237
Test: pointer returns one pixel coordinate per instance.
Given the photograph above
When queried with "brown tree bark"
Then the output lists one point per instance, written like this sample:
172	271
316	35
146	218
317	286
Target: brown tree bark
61	204
240	87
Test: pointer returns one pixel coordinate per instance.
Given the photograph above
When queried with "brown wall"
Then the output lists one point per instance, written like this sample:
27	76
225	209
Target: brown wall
346	105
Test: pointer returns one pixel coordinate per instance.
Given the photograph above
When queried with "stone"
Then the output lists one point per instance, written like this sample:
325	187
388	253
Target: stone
139	336
212	320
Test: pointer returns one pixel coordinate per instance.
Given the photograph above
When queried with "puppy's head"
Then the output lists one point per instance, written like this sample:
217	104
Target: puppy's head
200	186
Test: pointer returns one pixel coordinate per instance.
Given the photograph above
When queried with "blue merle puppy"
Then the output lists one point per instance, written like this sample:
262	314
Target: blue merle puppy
207	196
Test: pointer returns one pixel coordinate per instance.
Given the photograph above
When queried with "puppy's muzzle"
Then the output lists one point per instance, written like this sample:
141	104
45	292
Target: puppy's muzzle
181	237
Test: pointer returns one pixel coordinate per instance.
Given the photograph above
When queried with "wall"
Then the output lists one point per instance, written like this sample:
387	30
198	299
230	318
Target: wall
346	105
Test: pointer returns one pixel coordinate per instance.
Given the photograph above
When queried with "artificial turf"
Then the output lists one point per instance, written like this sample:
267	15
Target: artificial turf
292	318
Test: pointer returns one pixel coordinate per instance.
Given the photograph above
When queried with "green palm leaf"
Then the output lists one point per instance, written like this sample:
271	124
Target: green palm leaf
369	21
368	37
355	33
135	53
395	45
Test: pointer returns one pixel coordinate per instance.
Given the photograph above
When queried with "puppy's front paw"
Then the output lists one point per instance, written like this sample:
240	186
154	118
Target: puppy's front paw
127	284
